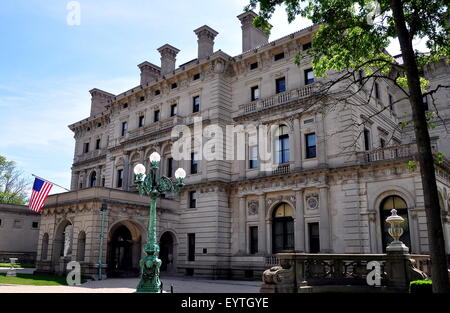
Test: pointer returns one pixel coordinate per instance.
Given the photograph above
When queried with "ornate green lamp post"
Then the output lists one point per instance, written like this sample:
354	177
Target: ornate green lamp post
151	186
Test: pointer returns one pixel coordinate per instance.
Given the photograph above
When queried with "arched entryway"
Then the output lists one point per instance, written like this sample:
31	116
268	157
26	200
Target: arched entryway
283	229
62	247
168	252
387	205
124	250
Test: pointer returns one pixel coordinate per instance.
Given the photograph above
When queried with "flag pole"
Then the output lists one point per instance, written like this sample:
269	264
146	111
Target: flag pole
50	182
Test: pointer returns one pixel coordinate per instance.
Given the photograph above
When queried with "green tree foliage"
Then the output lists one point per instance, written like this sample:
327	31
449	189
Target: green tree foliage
353	36
13	186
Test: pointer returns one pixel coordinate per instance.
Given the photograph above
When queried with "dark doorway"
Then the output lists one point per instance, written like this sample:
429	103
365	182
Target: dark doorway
167	252
121	254
283	229
388	204
314	237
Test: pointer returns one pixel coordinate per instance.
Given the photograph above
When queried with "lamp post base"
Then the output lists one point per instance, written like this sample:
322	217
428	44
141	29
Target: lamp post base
150	267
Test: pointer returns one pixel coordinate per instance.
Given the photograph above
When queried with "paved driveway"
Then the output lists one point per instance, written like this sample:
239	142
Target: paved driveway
180	285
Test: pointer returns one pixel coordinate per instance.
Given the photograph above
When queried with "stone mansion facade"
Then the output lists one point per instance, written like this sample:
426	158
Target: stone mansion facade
334	178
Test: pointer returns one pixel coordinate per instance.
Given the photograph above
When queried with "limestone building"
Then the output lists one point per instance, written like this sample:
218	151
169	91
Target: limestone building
333	177
19	233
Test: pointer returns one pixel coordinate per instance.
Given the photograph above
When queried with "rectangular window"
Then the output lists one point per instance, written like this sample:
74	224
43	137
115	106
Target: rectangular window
156	116
391	103
125	105
253	239
307	46
282	150
157	92
173	110
253	157
366	139
97	144
382	143
124	129
174	85
169	167
311	146
360	76
279	56
254	66
119	178
280	84
192	199
1	222
309	77
35	225
194	163
17	224
377	91
196	104
141	121
142	99
86	147
314	237
255	93
196	76
191	247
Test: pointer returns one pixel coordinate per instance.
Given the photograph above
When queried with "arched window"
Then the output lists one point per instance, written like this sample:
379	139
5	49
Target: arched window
283	229
44	249
388	204
81	248
282	153
93	180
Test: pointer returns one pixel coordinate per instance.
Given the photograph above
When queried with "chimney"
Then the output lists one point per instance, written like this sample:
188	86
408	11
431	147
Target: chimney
252	37
149	73
168	58
206	37
99	101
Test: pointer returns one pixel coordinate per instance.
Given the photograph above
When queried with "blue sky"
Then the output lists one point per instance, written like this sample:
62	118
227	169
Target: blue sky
48	67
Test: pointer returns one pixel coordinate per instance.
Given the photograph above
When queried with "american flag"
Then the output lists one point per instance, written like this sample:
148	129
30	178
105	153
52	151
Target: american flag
41	189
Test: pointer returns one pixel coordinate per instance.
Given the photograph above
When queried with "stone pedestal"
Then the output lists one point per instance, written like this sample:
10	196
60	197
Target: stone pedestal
12	271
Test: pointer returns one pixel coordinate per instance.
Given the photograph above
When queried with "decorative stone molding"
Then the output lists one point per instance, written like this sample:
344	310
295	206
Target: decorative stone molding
253	207
312	201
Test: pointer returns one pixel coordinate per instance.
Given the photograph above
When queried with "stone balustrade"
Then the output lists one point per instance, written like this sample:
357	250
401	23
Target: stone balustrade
89	156
389	153
331	272
278	99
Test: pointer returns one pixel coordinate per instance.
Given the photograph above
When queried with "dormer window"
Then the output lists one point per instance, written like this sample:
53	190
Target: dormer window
279	56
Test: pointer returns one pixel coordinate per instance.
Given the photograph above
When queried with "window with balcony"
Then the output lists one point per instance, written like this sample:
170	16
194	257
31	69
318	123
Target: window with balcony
141	121
309	77
255	93
124	129
196	104
194	163
311	146
253	157
173	110
282	153
367	141
156	118
86	147
280	85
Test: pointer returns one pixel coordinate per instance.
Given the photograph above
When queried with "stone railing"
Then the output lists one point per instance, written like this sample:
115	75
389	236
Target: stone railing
336	272
271	261
89	156
389	153
278	99
155	127
281	169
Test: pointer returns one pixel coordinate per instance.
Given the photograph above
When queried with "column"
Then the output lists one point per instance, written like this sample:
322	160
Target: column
242	225
297	144
268	237
262	247
321	141
126	171
299	227
324	225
